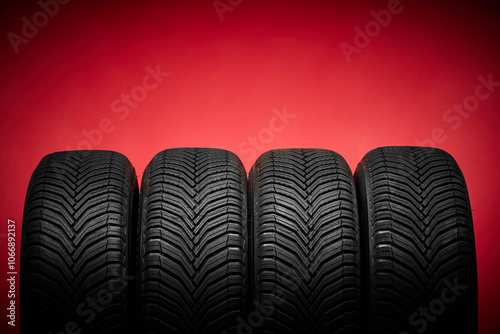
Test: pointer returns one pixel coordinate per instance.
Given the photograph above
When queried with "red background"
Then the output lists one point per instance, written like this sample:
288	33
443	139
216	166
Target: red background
226	77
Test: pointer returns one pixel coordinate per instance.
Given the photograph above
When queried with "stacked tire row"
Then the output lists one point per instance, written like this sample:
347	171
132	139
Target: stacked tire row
302	246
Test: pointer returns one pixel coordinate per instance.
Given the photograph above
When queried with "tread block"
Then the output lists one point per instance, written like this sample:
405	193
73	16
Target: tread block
306	242
418	235
193	242
77	242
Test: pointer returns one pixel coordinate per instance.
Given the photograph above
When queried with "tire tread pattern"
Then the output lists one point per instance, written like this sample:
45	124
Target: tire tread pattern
305	231
419	234
193	242
77	223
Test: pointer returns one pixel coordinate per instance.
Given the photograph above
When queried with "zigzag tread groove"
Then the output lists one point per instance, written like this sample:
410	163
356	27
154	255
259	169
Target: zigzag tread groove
305	223
193	242
89	246
417	226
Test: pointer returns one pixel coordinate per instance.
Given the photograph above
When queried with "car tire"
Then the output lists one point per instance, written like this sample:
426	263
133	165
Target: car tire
305	244
192	242
419	261
78	244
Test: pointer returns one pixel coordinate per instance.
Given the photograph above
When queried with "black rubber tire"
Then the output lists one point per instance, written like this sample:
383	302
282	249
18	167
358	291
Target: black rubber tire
78	235
418	240
306	263
192	257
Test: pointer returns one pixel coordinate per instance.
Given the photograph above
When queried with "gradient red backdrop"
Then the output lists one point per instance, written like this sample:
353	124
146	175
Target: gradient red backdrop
232	69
